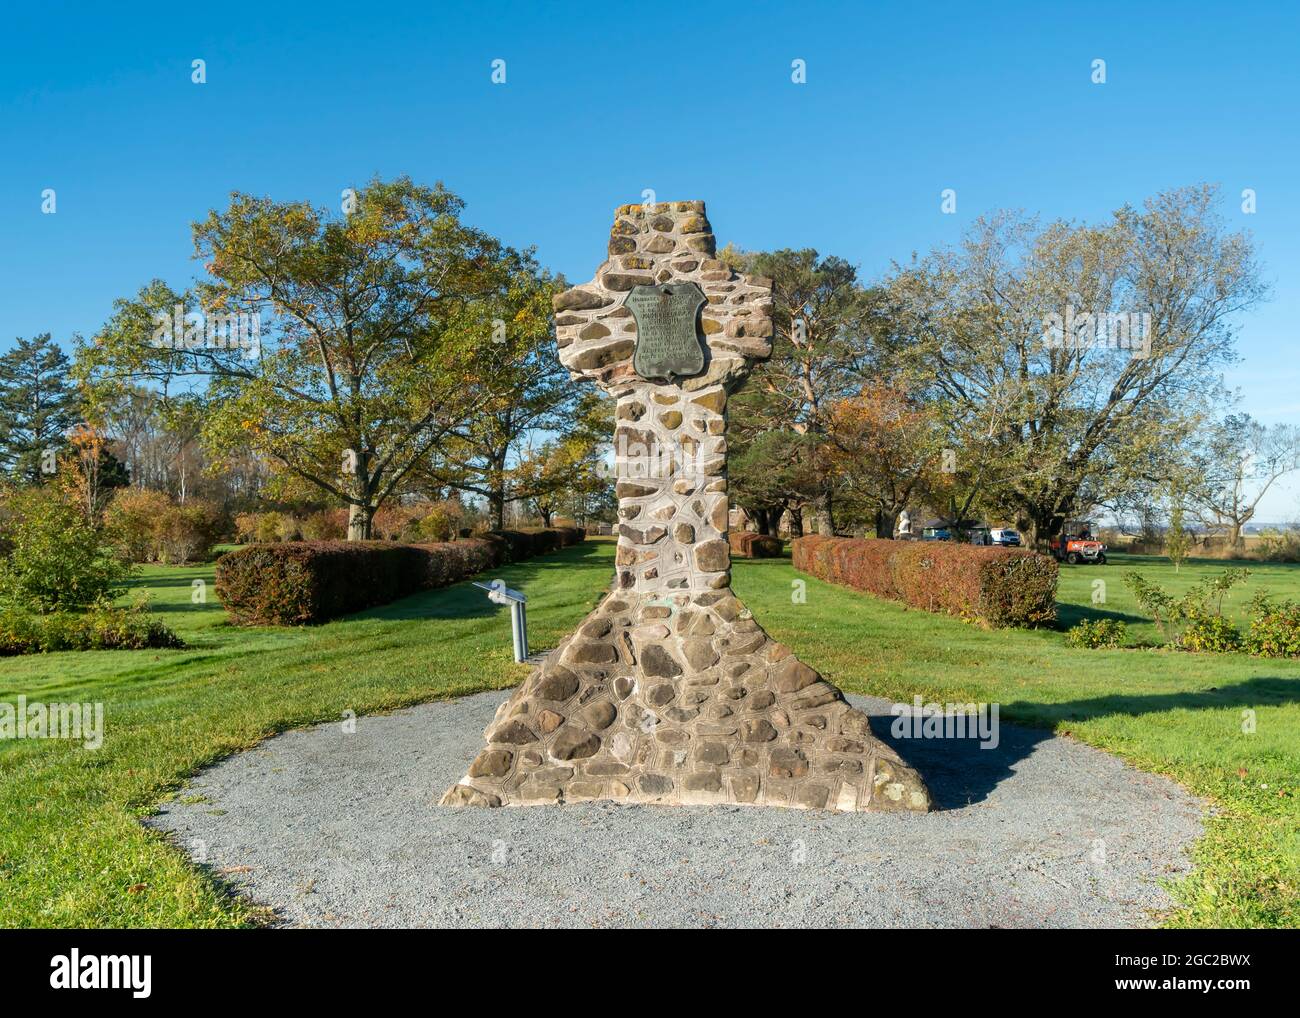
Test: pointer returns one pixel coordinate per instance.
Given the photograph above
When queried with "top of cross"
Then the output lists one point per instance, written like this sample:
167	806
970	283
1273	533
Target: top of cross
663	244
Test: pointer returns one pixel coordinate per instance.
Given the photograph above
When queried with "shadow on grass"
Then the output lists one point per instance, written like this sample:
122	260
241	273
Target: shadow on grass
959	772
1069	615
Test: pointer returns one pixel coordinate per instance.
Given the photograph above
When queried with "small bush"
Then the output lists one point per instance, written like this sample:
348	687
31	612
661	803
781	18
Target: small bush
435	527
1274	627
1210	633
746	544
246	527
103	627
393	522
1278	546
1099	634
287	527
996	586
148	527
1194	612
325	525
132	518
60	560
267	528
186	533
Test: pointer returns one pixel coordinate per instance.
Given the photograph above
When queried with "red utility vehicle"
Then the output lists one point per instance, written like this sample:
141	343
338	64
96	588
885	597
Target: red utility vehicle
1076	544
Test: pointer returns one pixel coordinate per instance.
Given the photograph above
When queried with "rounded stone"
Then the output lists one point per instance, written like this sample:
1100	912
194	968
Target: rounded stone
491	763
558	685
574	744
599	715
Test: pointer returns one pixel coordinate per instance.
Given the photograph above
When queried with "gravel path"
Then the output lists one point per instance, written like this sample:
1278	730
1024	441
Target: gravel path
337	829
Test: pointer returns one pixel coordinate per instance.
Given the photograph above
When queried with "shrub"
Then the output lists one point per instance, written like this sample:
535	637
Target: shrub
325	525
448	563
1278	546
132	518
514	545
287	527
1195	610
1212	633
246	527
311	581
391	521
746	544
302	582
1274	627
267	528
436	526
997	586
1101	634
544	540
186	533
60	559
103	627
148	527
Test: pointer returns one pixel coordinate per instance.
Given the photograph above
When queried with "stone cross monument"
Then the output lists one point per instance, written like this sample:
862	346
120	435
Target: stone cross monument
670	692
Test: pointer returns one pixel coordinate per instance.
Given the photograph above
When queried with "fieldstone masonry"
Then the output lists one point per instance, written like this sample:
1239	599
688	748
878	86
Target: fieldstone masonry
670	692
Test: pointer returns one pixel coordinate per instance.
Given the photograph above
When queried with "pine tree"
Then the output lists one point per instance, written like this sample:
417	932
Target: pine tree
38	406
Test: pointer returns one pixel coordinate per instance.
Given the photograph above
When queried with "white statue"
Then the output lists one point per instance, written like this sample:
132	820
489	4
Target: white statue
904	524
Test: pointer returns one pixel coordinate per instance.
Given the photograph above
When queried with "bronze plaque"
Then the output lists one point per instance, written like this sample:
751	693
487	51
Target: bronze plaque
667	343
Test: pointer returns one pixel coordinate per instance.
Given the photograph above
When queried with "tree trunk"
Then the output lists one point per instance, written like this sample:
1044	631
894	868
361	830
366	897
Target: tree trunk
360	519
546	515
796	521
361	513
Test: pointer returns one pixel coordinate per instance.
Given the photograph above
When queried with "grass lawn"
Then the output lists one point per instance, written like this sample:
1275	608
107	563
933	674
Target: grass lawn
72	852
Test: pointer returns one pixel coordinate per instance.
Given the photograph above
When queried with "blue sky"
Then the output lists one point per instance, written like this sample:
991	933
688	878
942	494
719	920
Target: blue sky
604	100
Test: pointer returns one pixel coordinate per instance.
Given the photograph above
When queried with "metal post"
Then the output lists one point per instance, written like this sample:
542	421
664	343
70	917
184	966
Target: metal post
517	630
499	593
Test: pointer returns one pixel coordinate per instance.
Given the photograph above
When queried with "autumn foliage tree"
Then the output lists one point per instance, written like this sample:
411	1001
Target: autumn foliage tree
887	448
1065	357
367	321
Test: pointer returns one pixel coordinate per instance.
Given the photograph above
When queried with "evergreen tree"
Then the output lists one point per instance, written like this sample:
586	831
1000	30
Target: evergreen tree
38	406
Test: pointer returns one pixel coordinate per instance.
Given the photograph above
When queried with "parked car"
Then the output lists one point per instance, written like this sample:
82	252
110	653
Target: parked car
936	534
1005	536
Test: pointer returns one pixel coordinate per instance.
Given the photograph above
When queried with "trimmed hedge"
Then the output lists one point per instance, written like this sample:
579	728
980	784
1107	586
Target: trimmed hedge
996	586
518	545
303	582
746	544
